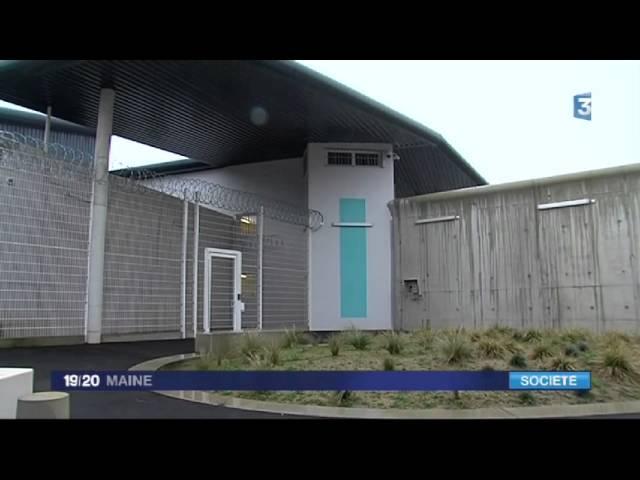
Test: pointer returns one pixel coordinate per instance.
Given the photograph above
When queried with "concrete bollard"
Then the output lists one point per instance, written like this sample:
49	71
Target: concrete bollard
43	405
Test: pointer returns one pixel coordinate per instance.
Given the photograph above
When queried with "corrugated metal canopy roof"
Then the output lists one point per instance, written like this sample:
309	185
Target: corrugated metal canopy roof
203	110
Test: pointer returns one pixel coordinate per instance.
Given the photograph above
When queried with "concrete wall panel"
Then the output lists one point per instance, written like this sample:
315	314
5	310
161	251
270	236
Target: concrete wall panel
505	262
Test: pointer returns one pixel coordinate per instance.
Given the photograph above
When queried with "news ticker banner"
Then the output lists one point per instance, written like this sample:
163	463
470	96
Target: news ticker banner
318	380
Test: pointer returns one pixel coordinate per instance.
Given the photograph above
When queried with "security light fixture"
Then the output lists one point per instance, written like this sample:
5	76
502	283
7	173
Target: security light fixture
568	203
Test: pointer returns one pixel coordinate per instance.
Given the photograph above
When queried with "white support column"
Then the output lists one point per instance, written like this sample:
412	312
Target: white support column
183	270
309	296
47	129
260	257
98	223
206	292
196	235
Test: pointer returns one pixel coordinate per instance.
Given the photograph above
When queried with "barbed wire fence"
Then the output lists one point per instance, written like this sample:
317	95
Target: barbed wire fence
152	282
53	159
68	162
275	257
220	197
45	201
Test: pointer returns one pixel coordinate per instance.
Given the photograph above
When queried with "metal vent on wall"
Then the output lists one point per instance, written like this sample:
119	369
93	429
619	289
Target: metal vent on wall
360	159
339	158
368	159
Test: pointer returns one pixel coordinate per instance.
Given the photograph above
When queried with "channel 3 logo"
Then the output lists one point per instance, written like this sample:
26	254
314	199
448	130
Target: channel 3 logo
582	106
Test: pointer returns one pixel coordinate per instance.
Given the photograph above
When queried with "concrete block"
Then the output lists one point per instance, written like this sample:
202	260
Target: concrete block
14	383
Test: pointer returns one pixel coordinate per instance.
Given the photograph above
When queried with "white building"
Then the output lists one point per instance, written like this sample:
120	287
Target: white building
272	132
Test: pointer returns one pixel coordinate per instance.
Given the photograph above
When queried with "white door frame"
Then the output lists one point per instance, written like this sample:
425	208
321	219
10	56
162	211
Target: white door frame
238	305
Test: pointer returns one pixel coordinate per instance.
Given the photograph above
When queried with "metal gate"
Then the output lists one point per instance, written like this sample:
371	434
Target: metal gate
223	304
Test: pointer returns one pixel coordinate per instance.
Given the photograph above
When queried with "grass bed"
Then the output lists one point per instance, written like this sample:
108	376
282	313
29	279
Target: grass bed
614	360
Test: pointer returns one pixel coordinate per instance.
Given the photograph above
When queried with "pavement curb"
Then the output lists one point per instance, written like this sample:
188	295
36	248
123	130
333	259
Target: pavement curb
545	411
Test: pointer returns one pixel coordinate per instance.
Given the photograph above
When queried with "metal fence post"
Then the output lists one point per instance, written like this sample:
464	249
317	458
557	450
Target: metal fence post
309	261
183	268
260	257
47	129
196	235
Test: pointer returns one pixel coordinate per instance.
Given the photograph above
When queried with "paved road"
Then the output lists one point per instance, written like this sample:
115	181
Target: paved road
121	356
116	356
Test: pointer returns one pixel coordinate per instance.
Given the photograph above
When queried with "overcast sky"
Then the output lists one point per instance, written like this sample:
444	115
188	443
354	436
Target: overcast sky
511	120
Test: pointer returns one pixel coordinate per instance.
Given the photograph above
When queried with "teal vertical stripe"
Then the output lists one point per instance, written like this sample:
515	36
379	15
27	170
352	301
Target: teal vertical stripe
353	259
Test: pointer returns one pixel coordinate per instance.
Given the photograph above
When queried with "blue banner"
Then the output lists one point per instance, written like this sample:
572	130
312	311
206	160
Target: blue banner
313	380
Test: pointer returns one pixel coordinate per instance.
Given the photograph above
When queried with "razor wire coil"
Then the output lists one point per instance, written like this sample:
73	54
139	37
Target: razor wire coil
23	153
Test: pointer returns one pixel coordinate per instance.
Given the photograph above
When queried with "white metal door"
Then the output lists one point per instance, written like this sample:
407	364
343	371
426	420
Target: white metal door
222	289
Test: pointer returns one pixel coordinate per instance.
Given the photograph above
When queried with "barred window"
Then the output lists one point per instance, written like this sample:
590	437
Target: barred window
368	159
339	158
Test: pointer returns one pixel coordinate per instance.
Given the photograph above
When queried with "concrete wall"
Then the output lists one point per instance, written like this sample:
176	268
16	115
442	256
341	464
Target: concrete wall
327	185
281	180
506	262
